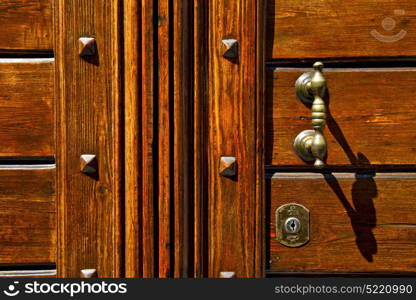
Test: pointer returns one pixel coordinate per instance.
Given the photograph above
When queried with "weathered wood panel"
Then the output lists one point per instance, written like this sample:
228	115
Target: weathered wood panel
27	107
323	28
359	223
26	25
27	214
89	118
370	119
235	210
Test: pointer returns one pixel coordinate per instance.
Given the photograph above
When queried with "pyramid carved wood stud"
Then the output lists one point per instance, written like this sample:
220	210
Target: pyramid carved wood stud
228	166
89	164
87	46
230	49
227	274
89	273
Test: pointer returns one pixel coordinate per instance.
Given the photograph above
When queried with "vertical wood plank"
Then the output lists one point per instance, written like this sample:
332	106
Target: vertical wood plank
133	129
200	45
148	138
260	202
89	105
182	131
164	137
234	109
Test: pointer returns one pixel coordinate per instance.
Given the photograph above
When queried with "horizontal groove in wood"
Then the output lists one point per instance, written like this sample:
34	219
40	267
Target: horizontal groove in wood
28	167
26	24
353	62
26	60
27	107
340	168
26	53
28	273
283	273
27	160
294	176
344	70
27	266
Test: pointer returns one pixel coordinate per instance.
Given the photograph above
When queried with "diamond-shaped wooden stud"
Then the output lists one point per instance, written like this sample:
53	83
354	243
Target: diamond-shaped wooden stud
230	49
228	166
89	165
88	273
227	274
87	46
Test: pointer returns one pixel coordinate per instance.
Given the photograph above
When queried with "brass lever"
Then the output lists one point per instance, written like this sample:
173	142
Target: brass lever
311	145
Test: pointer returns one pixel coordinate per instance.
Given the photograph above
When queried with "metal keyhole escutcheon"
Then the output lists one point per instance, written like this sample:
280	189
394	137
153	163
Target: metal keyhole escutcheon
292	225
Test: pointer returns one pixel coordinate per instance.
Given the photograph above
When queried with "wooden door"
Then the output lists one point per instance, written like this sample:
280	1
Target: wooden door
28	231
55	106
360	203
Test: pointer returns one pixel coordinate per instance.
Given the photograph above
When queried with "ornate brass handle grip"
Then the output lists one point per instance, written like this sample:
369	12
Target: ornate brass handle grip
311	145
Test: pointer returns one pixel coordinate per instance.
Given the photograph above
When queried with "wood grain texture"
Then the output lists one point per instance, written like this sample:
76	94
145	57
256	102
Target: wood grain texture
370	117
359	222
165	170
133	161
322	28
148	108
27	107
26	24
234	209
182	131
200	177
27	215
260	252
89	108
174	129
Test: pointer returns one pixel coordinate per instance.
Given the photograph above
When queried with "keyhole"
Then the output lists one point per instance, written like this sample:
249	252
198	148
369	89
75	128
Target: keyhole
292	225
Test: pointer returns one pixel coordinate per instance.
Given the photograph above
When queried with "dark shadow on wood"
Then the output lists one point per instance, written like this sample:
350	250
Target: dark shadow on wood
361	212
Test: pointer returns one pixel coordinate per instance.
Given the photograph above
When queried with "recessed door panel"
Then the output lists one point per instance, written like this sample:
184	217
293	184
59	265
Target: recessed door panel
358	222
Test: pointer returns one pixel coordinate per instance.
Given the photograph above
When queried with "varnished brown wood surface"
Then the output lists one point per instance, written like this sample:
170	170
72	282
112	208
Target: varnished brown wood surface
370	120
359	223
235	204
165	104
182	130
26	25
89	110
323	28
27	215
173	131
200	45
157	154
148	139
133	190
27	107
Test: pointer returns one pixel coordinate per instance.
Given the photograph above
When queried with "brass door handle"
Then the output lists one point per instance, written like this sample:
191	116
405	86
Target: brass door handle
311	145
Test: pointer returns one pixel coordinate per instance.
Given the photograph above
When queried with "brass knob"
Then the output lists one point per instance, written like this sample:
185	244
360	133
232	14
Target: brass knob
311	145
